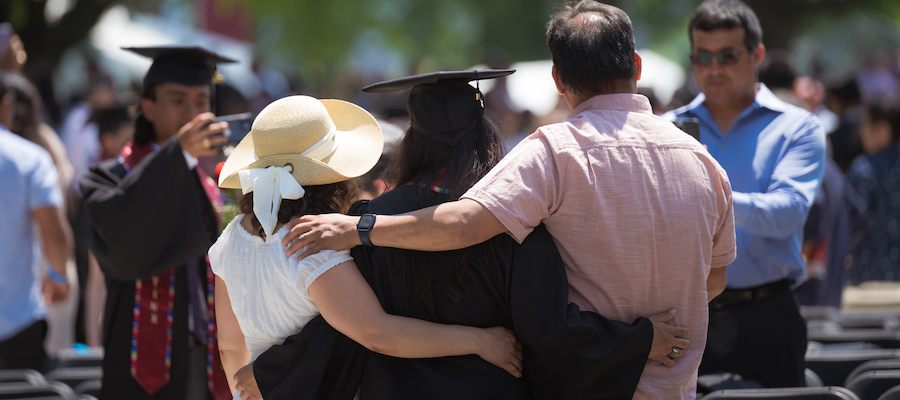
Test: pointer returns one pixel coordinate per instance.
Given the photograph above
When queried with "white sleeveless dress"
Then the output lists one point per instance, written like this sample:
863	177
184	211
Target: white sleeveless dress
268	290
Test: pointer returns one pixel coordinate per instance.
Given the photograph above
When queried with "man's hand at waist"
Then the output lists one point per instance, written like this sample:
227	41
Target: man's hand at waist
669	341
245	383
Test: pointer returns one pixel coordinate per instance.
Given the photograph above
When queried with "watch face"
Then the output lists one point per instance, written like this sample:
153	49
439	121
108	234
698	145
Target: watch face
366	222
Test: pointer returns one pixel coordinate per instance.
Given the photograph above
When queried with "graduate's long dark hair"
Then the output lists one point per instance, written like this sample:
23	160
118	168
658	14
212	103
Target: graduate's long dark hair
143	129
318	199
419	158
424	161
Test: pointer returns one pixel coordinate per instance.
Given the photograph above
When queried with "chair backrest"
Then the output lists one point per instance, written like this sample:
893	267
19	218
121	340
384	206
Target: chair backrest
872	366
892	394
813	313
91	387
871	385
886	339
76	375
50	391
22	375
835	366
876	321
812	380
89	357
809	393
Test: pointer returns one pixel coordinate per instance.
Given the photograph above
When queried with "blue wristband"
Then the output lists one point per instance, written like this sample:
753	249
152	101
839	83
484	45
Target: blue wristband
60	279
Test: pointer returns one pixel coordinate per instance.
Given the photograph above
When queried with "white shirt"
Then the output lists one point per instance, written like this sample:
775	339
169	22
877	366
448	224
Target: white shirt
268	290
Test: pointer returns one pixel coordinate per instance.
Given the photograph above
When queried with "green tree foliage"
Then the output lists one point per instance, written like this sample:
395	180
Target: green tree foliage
319	36
45	41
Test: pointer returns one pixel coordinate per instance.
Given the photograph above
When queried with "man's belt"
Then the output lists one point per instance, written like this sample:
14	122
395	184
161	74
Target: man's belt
730	297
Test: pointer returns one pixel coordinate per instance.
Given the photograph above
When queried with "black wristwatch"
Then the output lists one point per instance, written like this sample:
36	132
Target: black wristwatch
365	224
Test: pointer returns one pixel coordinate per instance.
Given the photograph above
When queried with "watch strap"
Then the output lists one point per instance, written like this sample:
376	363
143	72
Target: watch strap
364	232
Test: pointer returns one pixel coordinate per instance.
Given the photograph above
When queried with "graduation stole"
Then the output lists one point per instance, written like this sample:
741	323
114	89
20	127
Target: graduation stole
151	358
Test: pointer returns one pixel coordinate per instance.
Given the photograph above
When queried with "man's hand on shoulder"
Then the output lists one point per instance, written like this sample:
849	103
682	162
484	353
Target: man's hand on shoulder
321	232
196	137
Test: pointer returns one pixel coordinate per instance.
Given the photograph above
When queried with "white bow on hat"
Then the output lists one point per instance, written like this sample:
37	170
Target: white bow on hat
269	186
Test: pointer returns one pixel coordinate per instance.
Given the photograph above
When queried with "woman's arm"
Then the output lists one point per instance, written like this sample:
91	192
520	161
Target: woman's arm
232	348
348	304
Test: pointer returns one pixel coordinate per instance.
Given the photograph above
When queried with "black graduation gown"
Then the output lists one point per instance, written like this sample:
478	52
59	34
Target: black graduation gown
567	353
155	218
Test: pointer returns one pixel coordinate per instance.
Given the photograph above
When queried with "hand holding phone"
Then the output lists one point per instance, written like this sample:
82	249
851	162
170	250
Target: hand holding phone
691	126
238	126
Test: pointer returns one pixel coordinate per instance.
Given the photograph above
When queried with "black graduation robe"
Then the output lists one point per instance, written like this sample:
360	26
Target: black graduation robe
144	223
567	353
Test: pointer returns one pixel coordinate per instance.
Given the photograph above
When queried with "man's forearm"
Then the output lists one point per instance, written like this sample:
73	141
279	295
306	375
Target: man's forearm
447	226
774	215
56	237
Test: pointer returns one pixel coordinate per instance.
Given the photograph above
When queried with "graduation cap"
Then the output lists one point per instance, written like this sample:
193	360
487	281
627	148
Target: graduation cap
442	105
184	65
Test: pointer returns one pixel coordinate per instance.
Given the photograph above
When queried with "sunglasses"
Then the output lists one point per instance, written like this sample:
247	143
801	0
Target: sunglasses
728	57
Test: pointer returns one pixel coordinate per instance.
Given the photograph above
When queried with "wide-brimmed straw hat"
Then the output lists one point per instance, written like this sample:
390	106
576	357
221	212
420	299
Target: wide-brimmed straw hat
297	130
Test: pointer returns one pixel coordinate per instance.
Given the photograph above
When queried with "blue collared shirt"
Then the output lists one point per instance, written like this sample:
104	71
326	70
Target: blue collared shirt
774	154
28	181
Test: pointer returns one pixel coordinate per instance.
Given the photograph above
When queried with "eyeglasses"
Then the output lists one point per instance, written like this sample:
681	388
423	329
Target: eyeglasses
728	57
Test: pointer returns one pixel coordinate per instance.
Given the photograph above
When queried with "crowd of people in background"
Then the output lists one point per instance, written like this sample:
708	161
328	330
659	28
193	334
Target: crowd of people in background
827	218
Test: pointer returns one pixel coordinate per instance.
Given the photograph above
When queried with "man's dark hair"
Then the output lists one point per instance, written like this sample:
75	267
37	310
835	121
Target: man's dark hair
778	70
886	111
592	46
727	14
110	119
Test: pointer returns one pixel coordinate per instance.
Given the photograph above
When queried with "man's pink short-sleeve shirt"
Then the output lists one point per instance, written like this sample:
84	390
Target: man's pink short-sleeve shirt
639	211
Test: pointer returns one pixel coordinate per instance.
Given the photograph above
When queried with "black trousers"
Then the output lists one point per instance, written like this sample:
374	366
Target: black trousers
764	341
25	350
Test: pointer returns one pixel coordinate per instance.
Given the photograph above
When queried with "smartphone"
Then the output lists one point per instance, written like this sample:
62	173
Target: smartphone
691	126
238	126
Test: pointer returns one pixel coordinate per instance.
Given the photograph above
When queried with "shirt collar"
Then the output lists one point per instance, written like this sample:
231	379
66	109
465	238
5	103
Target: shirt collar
764	99
619	102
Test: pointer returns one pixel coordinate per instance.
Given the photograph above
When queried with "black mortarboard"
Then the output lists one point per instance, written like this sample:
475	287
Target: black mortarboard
184	65
442	105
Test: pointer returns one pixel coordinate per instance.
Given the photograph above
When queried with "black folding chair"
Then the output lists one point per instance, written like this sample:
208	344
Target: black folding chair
812	380
818	313
91	388
835	366
871	385
872	366
23	376
892	394
808	393
870	321
76	375
50	391
69	358
886	339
